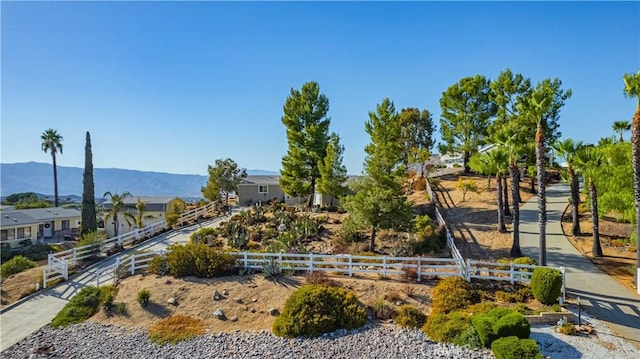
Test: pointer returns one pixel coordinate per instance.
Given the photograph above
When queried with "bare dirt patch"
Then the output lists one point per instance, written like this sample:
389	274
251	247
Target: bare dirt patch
248	298
19	285
618	260
474	221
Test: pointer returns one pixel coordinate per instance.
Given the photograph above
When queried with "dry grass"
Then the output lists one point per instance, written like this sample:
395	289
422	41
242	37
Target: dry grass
175	329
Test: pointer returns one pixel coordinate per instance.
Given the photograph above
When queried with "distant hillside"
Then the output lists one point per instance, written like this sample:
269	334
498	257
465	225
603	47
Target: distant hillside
38	177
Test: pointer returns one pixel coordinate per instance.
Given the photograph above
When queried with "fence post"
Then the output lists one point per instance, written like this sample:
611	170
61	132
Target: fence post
75	256
115	269
119	239
384	267
44	278
467	275
246	260
65	270
133	263
350	266
310	262
563	270
97	279
511	273
419	268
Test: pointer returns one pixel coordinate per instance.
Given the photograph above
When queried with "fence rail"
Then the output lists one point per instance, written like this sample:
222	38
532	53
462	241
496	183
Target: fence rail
455	253
411	267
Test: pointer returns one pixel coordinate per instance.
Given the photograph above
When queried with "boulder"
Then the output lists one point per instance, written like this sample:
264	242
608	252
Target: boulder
219	314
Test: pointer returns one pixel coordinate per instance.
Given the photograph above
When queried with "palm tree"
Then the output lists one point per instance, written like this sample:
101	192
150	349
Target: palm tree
52	142
567	149
140	210
621	127
587	161
632	89
117	207
534	107
507	139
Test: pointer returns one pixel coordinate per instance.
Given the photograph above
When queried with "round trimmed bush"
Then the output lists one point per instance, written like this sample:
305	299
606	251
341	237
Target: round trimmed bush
410	317
316	309
512	324
546	285
514	348
446	327
450	294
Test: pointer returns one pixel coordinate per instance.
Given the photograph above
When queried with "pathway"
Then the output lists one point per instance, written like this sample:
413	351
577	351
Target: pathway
20	320
601	296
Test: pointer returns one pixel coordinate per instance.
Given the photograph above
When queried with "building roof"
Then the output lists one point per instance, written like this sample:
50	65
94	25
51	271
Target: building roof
147	200
16	217
260	180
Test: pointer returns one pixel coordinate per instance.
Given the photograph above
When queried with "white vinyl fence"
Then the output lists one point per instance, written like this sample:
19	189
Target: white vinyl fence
59	262
411	267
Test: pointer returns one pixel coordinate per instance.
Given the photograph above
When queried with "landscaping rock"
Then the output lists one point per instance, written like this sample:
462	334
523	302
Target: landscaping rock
273	311
254	300
234	319
219	314
225	292
172	301
239	300
216	295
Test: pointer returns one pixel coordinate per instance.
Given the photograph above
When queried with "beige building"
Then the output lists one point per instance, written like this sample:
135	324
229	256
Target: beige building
38	223
260	189
156	210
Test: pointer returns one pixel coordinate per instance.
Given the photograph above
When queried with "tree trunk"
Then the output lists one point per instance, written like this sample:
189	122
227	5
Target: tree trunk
465	161
489	181
596	251
575	202
515	187
532	189
502	228
542	196
55	178
313	193
505	197
519	200
635	158
372	244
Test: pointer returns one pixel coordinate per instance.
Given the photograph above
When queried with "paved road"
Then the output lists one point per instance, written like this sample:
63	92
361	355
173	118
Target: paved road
18	321
602	296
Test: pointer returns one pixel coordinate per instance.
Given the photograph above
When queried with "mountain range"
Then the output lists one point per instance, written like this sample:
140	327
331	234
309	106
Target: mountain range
38	177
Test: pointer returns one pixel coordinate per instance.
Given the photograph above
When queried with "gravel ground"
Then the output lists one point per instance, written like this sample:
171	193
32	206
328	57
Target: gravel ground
601	345
93	340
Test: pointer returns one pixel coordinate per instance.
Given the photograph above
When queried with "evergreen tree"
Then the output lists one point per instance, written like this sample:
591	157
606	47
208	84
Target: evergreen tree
378	202
333	174
89	220
224	178
466	115
417	135
307	127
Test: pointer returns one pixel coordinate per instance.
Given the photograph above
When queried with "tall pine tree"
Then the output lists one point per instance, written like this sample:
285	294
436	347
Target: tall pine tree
89	222
379	202
333	174
307	128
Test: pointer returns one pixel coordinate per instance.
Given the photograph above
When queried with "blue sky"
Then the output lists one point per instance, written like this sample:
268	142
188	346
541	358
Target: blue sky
172	86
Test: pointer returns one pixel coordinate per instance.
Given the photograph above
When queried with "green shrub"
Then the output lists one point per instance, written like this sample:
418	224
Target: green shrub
107	296
446	327
522	295
159	265
567	328
468	338
512	324
271	268
381	309
199	260
410	317
172	219
83	305
315	309
514	348
546	284
92	238
479	308
484	328
525	260
202	235
143	297
15	265
451	293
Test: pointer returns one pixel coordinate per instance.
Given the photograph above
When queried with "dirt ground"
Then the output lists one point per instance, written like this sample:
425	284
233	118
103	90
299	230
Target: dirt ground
248	298
474	221
618	261
19	285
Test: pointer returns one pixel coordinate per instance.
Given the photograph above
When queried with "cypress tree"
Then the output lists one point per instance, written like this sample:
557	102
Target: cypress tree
89	223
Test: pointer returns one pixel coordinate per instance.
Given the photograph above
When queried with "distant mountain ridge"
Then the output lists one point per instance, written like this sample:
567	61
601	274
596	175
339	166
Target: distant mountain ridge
38	177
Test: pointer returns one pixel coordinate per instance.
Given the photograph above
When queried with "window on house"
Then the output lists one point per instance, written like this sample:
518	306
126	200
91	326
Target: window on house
7	234
263	189
24	232
65	224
